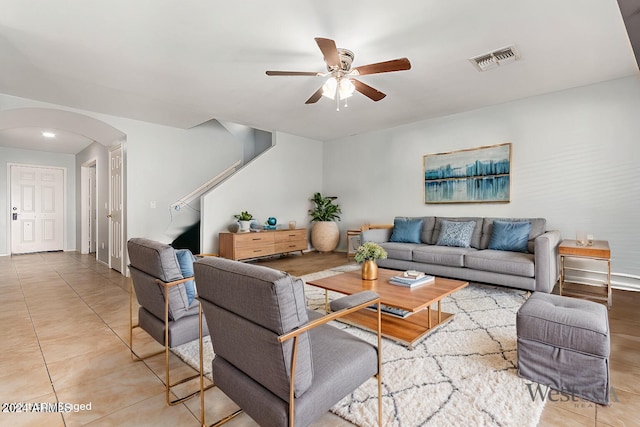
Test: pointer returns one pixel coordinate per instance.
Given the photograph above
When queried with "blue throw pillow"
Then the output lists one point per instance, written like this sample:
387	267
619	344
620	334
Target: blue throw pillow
456	233
186	259
510	236
406	230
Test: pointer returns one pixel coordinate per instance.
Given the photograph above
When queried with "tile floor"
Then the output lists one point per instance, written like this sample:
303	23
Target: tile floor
64	338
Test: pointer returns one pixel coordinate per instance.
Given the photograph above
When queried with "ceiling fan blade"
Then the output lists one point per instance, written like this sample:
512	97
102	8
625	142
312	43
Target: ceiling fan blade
315	97
293	73
400	64
367	90
329	51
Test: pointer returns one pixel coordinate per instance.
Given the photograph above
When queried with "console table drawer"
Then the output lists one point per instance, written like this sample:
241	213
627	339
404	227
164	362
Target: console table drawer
240	246
252	239
253	252
291	236
294	245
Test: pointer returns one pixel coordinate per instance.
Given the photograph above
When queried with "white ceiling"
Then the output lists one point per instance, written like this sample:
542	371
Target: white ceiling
181	63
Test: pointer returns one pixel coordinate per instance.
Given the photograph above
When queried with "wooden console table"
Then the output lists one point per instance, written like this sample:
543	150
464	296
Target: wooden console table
254	244
598	251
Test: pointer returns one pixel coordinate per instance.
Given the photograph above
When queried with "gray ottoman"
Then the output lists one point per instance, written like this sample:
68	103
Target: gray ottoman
563	343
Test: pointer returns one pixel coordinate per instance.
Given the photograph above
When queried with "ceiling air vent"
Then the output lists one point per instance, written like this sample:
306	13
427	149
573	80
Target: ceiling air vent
503	56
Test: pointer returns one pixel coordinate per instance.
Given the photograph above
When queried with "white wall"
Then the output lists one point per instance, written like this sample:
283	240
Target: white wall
163	164
37	158
575	161
277	183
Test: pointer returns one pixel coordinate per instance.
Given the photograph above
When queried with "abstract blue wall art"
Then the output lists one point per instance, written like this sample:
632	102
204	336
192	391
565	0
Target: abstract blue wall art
475	175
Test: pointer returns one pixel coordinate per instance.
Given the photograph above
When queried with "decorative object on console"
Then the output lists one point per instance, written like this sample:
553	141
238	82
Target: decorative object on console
270	224
367	255
466	176
324	234
245	220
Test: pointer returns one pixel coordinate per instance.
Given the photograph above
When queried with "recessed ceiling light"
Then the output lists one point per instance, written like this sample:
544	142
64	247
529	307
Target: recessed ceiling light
48	134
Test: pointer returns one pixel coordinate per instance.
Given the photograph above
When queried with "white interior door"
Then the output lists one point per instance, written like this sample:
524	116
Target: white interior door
116	232
37	209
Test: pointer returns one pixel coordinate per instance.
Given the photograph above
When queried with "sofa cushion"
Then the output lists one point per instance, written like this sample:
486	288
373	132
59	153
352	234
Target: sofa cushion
428	224
537	228
403	251
456	233
477	231
510	236
441	255
406	230
505	262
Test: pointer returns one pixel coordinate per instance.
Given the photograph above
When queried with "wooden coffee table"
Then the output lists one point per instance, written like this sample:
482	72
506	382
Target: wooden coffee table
418	301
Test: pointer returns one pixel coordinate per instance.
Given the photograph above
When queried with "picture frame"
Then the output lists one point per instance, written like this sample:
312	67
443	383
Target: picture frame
473	175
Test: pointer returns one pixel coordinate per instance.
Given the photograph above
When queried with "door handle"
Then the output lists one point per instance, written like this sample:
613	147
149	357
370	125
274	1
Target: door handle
109	216
15	216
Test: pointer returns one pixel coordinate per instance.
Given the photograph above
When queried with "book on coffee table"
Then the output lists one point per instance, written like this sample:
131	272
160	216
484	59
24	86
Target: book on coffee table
410	283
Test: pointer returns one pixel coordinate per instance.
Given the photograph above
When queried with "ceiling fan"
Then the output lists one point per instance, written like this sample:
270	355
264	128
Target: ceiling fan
342	82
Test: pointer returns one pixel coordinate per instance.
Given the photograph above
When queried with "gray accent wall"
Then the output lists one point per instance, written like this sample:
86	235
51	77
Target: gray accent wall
575	162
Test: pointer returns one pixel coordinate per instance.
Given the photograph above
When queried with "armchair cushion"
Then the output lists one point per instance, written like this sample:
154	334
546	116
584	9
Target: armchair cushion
151	260
186	260
256	304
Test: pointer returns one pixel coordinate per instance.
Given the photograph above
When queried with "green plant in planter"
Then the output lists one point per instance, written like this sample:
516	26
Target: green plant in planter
243	216
369	251
324	209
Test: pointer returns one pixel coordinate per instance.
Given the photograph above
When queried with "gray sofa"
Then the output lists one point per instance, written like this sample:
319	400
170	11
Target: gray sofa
534	269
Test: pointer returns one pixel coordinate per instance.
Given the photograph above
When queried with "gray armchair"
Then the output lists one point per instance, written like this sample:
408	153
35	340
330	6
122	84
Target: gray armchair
282	365
165	312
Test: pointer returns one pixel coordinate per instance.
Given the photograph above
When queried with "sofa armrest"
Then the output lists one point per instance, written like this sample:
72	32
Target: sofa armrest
547	260
376	235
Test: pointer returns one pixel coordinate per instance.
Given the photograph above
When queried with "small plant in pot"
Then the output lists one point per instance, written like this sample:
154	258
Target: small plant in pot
244	218
324	234
367	255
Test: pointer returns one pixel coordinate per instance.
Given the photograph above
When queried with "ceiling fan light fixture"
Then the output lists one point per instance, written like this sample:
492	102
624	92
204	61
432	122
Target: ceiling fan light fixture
346	88
329	88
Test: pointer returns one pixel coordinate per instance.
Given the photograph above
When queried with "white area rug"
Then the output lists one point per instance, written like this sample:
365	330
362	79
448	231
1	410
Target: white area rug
464	373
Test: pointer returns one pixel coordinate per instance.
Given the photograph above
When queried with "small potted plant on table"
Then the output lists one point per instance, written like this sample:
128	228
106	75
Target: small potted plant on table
244	218
367	254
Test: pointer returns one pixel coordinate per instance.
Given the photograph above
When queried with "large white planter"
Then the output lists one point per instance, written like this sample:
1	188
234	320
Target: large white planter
325	236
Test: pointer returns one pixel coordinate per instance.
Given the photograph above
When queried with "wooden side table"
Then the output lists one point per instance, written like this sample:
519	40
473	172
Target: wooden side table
598	251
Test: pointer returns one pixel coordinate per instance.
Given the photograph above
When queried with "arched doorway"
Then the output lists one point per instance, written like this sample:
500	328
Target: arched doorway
89	140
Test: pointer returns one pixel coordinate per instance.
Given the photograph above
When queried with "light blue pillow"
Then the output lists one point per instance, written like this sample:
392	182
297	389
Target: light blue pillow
186	260
406	230
510	236
456	233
